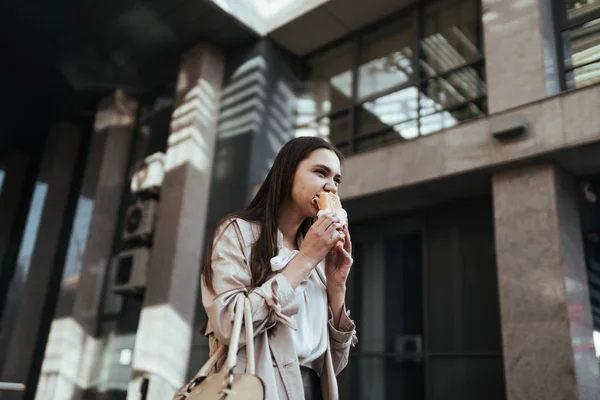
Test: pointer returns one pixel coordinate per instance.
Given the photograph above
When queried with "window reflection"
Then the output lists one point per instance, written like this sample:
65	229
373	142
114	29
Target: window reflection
450	37
454	89
388	94
580	43
334	128
386	60
436	122
324	99
585	44
329	84
31	228
577	8
15	291
584	76
75	252
389	110
408	129
583	54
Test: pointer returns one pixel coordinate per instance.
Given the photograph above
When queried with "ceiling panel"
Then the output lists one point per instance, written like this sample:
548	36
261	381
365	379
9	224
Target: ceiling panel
312	30
331	21
356	14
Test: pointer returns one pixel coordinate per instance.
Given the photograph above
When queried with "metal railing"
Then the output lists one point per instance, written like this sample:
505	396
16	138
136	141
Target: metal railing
14	387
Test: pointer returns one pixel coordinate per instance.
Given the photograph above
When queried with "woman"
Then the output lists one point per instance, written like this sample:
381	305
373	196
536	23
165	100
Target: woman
281	255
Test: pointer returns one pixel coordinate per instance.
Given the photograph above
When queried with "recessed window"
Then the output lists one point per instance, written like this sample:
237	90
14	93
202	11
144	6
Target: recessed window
415	74
578	22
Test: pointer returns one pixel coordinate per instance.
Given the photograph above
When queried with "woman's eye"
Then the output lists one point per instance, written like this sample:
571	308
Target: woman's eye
321	172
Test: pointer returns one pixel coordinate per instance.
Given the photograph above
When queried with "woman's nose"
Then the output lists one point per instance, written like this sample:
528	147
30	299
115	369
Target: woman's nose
330	187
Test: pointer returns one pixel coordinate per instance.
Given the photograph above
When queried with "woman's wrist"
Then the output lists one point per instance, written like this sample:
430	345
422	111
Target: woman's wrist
336	296
336	290
298	269
307	259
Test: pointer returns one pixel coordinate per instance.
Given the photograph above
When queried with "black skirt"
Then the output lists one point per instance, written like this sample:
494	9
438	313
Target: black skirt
311	383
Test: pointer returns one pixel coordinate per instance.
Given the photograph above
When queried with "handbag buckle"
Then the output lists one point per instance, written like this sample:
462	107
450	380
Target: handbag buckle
229	379
193	384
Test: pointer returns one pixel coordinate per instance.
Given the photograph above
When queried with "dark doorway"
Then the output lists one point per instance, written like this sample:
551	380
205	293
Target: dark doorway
423	292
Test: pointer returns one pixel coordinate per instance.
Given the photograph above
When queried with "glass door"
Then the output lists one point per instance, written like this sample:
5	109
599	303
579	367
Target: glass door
385	297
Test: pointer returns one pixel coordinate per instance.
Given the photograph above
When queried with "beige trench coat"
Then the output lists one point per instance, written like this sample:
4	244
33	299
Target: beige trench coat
273	303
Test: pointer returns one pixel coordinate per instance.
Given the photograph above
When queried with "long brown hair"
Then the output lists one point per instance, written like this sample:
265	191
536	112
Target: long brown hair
266	206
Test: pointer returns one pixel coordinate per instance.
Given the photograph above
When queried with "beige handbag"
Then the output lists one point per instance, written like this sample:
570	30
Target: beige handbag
225	384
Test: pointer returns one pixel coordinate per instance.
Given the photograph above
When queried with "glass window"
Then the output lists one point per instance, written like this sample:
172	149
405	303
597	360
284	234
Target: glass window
334	128
330	81
386	60
447	118
582	59
460	87
388	111
450	38
584	76
584	44
453	98
15	291
399	80
580	47
578	8
79	235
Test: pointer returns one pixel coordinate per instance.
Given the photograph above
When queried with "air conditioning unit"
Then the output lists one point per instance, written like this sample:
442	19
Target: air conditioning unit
140	220
131	271
149	175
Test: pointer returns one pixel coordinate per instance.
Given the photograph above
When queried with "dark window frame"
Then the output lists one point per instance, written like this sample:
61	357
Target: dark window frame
418	80
562	25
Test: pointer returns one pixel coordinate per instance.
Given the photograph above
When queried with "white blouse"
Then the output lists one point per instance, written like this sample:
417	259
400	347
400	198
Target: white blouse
310	338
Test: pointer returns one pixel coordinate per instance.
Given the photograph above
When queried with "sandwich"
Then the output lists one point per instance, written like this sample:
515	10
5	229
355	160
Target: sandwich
329	202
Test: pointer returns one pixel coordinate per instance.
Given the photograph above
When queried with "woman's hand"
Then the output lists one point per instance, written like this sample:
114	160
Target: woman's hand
320	238
338	264
318	242
337	269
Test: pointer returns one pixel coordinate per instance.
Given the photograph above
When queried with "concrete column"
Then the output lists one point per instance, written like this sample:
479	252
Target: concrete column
519	61
542	279
73	349
256	119
36	304
164	336
277	109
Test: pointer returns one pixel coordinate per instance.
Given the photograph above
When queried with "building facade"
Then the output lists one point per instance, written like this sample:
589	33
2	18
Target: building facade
471	130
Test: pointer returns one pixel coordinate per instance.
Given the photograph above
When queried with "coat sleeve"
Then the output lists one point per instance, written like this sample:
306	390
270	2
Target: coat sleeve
341	338
274	301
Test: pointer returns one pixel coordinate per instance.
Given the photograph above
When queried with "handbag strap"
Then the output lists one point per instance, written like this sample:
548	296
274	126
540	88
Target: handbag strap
247	313
209	365
243	313
243	310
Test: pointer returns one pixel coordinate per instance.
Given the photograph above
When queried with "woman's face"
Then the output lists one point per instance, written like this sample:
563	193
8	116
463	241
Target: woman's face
321	171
